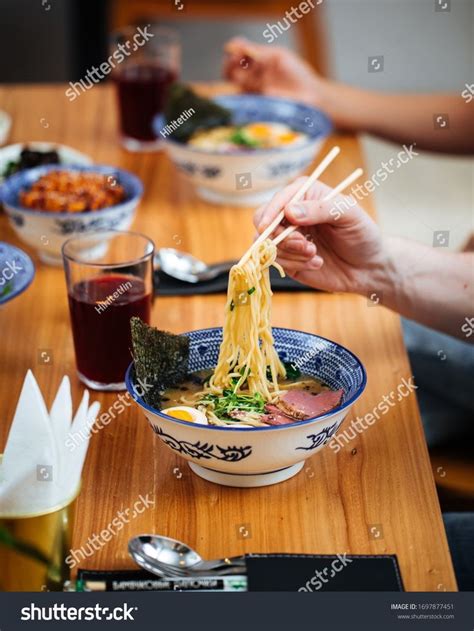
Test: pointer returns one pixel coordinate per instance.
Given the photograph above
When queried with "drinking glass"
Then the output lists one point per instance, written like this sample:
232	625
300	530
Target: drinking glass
109	277
34	549
142	72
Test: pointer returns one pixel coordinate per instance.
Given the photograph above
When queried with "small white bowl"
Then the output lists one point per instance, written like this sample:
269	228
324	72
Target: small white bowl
47	231
259	456
251	177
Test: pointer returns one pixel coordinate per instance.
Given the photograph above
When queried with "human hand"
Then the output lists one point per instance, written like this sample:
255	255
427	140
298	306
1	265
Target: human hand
270	70
337	246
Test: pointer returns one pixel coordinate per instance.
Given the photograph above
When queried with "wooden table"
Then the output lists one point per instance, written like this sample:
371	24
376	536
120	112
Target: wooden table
381	482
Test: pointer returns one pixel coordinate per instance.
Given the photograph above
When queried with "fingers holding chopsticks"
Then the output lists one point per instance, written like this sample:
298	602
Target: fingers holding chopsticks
324	238
294	266
311	210
298	243
264	215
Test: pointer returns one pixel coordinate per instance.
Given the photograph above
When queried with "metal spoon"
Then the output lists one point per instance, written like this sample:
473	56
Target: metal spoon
185	266
167	557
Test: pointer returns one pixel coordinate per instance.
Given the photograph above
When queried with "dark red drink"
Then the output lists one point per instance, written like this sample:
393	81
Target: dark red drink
101	309
142	90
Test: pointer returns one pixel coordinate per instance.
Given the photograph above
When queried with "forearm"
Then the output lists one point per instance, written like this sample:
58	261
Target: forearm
430	286
402	118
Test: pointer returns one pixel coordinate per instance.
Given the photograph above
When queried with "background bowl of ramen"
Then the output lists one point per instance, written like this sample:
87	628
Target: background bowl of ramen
249	457
251	176
46	231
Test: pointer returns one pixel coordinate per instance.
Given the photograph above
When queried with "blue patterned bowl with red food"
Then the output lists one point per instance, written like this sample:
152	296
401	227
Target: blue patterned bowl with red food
46	231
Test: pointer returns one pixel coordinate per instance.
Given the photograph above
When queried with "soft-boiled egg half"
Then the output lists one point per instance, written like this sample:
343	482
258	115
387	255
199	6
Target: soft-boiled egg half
186	413
272	134
258	135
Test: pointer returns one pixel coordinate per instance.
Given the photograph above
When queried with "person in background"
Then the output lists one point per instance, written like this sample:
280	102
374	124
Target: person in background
402	118
341	249
433	281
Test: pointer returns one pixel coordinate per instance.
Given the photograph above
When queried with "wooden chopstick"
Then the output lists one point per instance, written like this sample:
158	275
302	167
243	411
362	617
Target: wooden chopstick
322	166
339	188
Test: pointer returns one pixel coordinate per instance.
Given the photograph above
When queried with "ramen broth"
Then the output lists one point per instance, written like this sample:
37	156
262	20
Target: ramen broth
174	396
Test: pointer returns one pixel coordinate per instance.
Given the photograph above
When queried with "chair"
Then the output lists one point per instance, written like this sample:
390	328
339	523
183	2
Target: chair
308	29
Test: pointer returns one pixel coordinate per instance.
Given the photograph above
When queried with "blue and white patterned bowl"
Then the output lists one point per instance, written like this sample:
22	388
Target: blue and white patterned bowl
252	177
47	231
16	272
263	455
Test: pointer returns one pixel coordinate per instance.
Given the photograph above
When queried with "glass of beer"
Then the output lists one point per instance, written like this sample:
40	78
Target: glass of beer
34	548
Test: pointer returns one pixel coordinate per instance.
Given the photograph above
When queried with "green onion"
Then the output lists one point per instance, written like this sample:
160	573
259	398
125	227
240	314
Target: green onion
230	400
239	137
251	290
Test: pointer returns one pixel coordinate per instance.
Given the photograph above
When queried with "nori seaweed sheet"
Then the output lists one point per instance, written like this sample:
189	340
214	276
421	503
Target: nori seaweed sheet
161	359
207	113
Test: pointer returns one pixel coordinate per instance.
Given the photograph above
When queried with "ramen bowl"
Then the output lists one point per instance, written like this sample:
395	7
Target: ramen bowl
251	177
259	456
46	231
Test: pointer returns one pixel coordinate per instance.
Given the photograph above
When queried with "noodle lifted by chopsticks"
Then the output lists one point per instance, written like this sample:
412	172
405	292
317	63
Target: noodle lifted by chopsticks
247	351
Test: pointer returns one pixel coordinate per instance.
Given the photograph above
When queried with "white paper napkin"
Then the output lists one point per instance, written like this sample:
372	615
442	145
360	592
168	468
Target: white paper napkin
38	471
